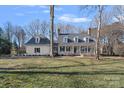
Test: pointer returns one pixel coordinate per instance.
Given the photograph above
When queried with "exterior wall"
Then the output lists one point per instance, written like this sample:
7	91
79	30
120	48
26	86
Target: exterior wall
75	44
78	52
44	49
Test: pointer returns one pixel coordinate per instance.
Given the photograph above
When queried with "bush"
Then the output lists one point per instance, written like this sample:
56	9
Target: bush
5	46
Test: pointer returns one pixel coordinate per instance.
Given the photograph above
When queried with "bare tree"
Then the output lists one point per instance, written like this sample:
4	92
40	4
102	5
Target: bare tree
20	35
99	10
113	41
106	19
37	27
9	31
118	12
51	30
44	28
68	28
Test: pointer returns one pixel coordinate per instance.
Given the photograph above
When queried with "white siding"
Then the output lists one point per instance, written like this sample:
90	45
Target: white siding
44	49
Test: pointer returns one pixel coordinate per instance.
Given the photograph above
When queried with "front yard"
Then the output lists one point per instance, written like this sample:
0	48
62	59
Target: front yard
61	72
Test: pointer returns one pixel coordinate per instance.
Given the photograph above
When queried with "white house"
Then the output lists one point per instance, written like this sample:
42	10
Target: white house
38	45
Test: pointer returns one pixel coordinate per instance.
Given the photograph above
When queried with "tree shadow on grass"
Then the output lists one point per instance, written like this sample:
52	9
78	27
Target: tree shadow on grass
40	68
29	72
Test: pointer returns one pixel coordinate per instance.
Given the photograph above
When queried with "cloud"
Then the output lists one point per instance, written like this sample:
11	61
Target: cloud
73	19
44	6
46	11
58	8
19	14
16	7
33	12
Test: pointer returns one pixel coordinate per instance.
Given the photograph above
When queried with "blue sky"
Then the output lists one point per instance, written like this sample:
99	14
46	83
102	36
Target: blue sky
22	15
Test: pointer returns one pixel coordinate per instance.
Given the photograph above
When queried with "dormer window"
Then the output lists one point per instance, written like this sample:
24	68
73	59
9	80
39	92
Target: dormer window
37	39
76	39
86	39
65	39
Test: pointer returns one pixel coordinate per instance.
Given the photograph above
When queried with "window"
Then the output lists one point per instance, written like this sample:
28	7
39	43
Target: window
83	49
121	38
91	40
37	39
104	40
68	48
104	50
76	39
62	48
88	49
36	50
65	39
86	39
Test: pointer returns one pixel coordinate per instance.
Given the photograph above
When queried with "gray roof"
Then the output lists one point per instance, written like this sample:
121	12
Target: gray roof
43	40
80	37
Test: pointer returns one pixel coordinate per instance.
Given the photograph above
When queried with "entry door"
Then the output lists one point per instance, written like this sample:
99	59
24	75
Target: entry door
75	49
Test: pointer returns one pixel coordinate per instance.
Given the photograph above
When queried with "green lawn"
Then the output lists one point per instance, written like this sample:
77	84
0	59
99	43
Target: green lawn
61	72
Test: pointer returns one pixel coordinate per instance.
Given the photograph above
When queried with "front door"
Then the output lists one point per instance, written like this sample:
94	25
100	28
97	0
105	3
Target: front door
75	49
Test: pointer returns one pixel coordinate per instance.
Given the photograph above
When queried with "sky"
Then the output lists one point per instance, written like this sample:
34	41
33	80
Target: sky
22	15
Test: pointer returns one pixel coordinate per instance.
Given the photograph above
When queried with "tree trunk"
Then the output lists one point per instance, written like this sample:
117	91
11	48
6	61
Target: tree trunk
51	30
98	34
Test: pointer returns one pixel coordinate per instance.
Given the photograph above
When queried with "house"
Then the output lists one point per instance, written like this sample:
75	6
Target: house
68	44
76	43
85	43
38	45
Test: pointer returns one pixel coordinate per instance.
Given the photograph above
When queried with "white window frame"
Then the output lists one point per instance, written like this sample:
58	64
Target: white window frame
37	50
86	39
65	39
37	39
76	39
62	48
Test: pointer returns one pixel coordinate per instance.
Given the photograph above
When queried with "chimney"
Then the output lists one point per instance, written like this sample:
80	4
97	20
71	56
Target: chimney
89	31
58	31
58	34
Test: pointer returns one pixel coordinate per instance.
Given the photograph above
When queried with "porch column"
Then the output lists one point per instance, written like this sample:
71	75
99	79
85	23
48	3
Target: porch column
72	50
87	49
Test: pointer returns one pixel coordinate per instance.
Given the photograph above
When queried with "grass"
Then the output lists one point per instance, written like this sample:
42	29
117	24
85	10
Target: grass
61	72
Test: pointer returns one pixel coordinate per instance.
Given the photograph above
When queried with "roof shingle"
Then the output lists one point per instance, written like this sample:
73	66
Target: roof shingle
43	40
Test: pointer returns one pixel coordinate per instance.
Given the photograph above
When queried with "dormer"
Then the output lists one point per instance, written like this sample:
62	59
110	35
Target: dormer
86	39
76	39
65	39
37	39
